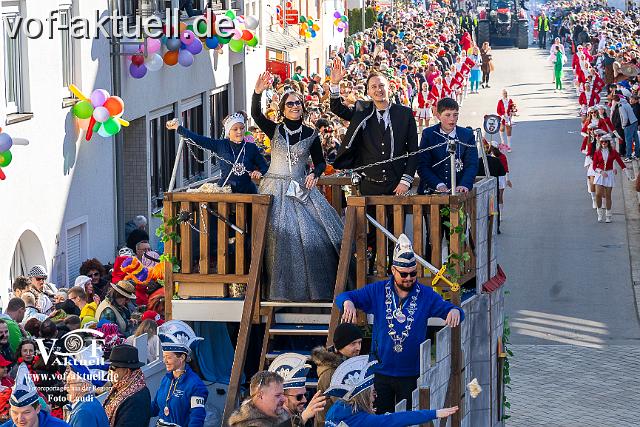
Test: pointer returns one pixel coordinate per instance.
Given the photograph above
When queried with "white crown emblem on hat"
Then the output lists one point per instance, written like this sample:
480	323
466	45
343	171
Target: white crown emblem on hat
292	367
352	377
176	336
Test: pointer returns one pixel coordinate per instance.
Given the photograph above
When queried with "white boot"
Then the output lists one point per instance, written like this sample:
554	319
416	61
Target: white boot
608	216
600	214
593	200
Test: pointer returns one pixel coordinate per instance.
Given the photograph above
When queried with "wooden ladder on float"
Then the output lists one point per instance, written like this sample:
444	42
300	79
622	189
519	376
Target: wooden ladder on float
251	303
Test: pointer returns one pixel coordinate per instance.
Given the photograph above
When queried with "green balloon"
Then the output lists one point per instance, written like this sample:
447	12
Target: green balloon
230	14
343	18
236	45
111	126
224	40
83	110
190	27
202	27
5	158
96	127
253	42
303	19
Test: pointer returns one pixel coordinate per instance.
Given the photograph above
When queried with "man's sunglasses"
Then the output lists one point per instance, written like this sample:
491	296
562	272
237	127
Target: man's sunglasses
41	279
405	274
298	397
292	104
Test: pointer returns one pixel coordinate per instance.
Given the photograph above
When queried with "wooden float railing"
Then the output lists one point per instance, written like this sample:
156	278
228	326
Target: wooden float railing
427	220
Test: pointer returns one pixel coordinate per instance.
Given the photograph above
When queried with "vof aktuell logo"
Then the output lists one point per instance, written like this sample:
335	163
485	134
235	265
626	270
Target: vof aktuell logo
57	351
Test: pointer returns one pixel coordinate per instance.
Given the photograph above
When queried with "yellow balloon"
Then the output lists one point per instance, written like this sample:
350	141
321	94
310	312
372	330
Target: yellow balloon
315	27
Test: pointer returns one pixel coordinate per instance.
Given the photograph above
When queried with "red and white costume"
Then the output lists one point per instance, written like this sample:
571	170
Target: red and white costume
587	99
603	162
438	91
424	109
505	110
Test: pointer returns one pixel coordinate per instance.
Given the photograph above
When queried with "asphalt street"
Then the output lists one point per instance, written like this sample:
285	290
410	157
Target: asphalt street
570	301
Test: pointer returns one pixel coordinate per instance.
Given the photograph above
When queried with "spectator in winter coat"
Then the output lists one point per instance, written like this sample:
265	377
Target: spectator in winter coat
128	403
347	342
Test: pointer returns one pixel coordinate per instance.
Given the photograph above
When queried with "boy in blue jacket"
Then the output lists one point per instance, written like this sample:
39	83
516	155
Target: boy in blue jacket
401	307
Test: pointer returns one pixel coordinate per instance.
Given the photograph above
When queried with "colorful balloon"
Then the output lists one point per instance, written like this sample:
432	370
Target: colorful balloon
185	58
111	126
98	97
5	142
137	72
101	114
195	47
171	58
253	42
83	110
5	158
187	37
154	62
212	42
236	45
337	14
173	44
251	22
247	35
115	105
230	14
153	45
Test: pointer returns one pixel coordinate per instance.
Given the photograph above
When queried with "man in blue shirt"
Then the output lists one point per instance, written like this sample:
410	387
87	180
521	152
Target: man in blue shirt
401	307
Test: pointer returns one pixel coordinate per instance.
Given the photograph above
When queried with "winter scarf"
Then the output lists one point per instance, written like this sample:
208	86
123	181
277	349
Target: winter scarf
121	391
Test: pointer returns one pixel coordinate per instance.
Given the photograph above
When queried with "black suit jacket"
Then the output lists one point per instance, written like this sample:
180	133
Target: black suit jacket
405	138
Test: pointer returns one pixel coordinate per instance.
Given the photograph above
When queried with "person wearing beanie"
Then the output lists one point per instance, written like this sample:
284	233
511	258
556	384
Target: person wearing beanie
397	337
347	342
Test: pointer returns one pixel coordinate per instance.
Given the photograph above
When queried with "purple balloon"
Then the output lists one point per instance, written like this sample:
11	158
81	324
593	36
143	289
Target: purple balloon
340	29
337	14
185	58
131	49
187	37
137	72
195	47
98	97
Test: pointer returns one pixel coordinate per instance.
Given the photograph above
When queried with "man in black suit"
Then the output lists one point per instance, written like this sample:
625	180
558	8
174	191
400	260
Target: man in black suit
378	130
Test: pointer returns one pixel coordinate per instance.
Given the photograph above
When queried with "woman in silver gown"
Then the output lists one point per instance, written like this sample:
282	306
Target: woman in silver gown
303	231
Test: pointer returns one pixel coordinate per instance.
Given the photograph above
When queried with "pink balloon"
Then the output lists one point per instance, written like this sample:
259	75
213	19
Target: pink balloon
237	34
98	97
154	45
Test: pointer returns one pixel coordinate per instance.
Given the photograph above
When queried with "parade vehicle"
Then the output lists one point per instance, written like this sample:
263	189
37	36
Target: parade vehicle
503	20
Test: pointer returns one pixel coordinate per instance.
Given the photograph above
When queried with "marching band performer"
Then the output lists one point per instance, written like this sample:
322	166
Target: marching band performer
603	165
506	110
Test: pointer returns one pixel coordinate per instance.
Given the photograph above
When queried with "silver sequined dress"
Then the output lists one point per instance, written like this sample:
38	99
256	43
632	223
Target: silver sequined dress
303	238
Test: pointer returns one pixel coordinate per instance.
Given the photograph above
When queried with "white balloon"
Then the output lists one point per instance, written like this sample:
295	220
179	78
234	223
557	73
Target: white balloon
154	62
251	22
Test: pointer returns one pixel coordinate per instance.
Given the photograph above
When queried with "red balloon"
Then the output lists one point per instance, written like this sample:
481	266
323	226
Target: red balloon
246	35
114	105
137	60
171	58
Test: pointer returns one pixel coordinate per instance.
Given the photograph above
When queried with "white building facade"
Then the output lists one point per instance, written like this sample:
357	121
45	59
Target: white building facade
66	199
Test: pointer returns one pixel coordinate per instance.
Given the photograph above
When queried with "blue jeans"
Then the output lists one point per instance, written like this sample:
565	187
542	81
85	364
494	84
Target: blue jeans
630	135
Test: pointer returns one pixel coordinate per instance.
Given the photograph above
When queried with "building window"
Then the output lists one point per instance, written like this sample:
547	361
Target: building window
68	51
193	158
219	107
13	67
163	154
76	248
